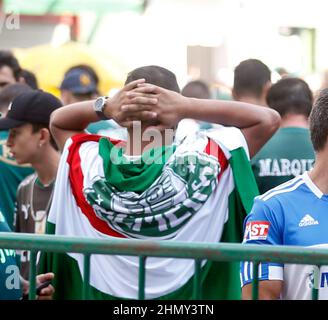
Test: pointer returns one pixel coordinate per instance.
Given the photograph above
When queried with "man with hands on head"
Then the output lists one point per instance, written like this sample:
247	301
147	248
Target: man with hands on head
152	187
159	108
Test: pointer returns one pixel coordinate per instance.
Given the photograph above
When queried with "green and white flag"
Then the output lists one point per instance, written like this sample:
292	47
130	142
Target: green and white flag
196	191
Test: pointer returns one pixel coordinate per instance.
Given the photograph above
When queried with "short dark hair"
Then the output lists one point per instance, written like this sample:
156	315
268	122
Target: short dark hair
156	75
290	96
250	77
38	126
30	79
8	59
196	89
11	91
319	121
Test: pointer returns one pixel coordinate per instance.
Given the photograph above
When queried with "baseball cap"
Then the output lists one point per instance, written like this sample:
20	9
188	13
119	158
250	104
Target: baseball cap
78	81
35	106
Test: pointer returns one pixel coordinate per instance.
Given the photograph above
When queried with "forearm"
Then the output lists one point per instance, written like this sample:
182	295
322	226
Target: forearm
228	113
74	117
257	123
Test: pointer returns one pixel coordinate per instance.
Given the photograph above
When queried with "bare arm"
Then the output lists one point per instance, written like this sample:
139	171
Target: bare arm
139	101
74	118
70	120
268	290
257	123
64	122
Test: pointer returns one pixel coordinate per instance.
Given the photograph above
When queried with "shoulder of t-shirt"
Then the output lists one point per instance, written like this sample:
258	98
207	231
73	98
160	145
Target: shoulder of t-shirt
4	226
262	211
279	193
26	181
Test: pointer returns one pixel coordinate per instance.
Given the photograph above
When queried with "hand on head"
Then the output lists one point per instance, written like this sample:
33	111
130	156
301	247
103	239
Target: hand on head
155	107
127	97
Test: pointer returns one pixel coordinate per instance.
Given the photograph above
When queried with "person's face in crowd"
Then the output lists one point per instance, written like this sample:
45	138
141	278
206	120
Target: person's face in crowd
6	76
66	97
24	144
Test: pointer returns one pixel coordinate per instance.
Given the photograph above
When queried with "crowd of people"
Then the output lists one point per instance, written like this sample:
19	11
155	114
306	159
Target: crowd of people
159	163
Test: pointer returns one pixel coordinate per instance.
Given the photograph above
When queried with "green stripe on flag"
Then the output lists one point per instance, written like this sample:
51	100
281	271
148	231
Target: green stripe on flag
223	281
130	175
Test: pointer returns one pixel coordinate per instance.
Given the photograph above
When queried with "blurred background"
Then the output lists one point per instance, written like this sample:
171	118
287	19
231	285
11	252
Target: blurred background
195	39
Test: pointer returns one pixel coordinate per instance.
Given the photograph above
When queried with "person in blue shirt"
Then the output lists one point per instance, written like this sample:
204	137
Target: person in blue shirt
12	285
294	213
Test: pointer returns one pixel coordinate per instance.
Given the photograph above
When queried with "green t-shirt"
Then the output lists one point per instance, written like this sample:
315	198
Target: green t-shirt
9	273
11	174
286	155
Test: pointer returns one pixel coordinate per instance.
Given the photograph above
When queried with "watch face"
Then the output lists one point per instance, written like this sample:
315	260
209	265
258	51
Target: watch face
99	103
99	106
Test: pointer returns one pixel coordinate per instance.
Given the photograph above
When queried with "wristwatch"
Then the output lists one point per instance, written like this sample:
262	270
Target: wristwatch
99	107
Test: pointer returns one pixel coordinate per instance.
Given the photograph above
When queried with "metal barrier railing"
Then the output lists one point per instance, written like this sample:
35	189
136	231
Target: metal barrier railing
170	249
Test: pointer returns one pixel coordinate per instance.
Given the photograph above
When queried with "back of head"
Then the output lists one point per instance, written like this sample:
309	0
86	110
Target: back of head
290	96
79	82
88	69
156	75
282	72
196	89
319	121
11	91
250	77
8	59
